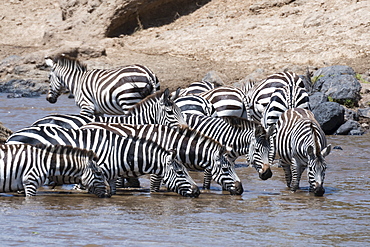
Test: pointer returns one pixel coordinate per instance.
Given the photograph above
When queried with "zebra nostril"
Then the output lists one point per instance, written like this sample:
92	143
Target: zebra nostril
266	175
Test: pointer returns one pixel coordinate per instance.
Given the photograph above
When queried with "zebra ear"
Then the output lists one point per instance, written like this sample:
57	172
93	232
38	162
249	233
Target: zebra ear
259	131
176	94
311	151
49	62
326	150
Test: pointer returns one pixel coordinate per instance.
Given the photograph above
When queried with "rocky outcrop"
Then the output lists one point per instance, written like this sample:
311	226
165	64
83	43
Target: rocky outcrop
4	133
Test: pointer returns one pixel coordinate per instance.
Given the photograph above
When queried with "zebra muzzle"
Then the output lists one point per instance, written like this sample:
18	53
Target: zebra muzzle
51	99
238	189
266	174
318	190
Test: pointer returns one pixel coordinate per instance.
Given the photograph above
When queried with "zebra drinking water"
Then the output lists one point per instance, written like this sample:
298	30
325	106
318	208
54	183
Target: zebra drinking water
301	144
100	91
194	150
117	155
26	167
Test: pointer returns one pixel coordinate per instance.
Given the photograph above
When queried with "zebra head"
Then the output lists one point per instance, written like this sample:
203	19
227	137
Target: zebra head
178	179
261	152
223	172
168	112
316	169
94	179
64	72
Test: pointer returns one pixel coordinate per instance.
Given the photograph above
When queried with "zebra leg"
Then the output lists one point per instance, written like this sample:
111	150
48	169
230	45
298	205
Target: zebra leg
31	183
207	179
155	182
288	173
296	175
113	188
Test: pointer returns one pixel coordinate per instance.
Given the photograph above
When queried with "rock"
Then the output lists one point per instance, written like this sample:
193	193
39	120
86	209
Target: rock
350	114
350	127
339	83
213	78
23	88
316	99
364	112
4	133
330	116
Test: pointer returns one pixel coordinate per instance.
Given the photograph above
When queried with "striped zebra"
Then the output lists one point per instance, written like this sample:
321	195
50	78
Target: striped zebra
198	87
117	155
194	150
301	144
157	108
245	137
283	99
195	104
228	101
100	91
26	167
259	94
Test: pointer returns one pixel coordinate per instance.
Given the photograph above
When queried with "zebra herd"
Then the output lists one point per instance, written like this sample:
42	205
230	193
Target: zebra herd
203	127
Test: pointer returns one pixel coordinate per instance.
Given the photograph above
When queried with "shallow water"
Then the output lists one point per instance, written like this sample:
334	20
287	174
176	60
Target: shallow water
266	214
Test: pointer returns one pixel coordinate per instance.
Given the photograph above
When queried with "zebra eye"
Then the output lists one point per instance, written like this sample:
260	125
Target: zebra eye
98	173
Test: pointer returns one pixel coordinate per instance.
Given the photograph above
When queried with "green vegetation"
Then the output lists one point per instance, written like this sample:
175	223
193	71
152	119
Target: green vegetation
316	78
359	77
349	103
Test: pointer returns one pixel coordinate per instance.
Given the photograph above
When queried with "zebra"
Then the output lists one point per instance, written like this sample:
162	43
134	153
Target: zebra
282	99
259	94
100	91
26	167
198	87
157	108
117	155
301	144
245	137
195	104
194	150
228	101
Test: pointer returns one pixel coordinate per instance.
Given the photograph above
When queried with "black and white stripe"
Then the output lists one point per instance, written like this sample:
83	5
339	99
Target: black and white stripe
198	87
117	155
158	108
259	95
100	91
301	144
282	99
26	167
195	104
194	150
245	137
228	101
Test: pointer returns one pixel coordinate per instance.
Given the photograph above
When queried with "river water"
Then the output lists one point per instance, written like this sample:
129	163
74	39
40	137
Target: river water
266	214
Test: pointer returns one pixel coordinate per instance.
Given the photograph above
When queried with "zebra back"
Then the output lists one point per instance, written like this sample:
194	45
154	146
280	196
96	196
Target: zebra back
157	108
282	99
259	96
197	88
195	104
228	101
28	167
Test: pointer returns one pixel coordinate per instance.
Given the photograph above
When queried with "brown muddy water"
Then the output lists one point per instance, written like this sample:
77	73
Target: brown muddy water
266	214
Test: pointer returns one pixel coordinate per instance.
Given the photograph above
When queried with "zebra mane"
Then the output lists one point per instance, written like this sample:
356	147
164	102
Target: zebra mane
64	60
58	149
